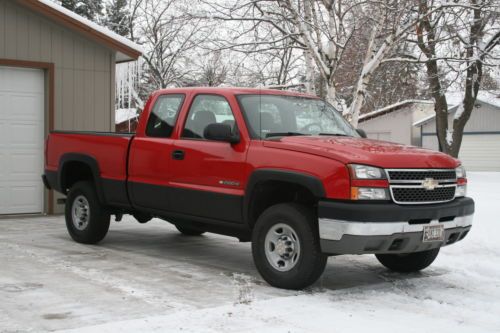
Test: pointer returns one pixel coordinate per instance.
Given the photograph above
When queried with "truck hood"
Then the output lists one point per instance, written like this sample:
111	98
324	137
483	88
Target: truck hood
364	151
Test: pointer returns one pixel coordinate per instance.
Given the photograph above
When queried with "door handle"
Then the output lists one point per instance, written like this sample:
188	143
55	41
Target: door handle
178	154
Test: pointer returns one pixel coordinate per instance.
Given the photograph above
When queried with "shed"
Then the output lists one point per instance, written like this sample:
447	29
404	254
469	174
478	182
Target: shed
394	122
480	150
57	72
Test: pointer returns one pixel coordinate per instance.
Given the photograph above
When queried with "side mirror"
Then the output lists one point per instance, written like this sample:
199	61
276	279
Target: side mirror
361	133
221	132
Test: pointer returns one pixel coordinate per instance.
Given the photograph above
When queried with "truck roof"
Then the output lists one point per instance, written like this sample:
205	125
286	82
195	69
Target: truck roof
236	91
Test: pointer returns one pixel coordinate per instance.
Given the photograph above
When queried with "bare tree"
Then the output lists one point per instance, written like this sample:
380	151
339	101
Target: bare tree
214	70
169	35
267	56
456	42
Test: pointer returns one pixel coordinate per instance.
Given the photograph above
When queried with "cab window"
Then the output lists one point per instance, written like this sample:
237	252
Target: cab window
164	115
206	110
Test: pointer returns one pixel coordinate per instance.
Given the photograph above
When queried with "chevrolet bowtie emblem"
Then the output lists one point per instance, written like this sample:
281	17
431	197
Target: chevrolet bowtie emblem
429	184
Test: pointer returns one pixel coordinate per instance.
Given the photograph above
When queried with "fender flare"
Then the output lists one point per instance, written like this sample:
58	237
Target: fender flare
308	181
90	161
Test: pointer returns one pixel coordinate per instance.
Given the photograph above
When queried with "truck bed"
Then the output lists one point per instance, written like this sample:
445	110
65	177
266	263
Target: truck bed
110	149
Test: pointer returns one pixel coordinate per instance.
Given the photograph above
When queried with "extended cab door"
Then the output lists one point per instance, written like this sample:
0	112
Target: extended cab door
150	155
209	177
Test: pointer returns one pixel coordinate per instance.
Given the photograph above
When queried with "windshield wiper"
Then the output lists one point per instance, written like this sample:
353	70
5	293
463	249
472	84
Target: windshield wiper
333	134
269	135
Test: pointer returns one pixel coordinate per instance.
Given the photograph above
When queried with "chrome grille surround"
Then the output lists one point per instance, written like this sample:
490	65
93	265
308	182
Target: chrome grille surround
416	193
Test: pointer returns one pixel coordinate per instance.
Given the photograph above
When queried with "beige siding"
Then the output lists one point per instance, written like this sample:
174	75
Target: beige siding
84	73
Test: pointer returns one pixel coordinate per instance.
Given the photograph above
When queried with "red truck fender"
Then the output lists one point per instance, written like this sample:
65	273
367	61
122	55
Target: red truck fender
251	207
84	160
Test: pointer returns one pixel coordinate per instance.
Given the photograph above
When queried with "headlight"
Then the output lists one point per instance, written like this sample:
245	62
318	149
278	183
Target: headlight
369	193
366	172
460	172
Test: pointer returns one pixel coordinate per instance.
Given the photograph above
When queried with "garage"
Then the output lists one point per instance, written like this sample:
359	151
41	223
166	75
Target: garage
480	150
57	72
22	101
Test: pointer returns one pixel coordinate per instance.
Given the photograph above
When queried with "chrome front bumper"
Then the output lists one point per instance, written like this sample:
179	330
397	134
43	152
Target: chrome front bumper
330	229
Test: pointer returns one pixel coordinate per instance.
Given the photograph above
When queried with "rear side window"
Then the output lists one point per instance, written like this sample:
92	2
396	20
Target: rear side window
206	110
164	115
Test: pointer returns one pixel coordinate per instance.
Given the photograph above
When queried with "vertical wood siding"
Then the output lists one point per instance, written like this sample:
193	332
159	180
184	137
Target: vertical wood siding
84	73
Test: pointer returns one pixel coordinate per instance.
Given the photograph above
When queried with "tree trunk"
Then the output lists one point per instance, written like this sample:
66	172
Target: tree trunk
440	105
364	79
309	79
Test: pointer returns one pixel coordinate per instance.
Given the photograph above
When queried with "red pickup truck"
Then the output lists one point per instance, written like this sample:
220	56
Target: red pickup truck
280	169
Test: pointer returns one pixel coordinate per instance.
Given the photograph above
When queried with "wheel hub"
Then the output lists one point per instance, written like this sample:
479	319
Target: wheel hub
285	247
80	212
282	247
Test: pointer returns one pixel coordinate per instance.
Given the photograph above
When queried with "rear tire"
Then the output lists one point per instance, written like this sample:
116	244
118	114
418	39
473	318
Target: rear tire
285	246
87	220
407	263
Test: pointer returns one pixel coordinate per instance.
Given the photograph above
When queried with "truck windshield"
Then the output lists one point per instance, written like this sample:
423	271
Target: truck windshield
280	115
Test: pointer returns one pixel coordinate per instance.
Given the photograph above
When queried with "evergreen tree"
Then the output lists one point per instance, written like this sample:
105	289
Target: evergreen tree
69	4
117	17
90	9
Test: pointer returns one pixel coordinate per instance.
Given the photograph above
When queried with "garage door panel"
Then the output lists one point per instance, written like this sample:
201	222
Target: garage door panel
21	140
481	152
23	107
19	80
25	197
25	166
4	199
25	134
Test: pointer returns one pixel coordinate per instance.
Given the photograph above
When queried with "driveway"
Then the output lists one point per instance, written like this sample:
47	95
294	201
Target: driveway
151	278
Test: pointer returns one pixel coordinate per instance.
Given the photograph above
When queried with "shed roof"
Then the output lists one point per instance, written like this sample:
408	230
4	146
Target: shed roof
455	98
391	108
126	49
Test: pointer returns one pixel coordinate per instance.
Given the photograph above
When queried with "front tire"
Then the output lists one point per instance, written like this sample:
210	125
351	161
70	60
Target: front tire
86	219
285	246
407	263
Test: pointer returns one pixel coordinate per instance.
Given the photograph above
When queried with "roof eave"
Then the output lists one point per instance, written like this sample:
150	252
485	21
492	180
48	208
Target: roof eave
129	53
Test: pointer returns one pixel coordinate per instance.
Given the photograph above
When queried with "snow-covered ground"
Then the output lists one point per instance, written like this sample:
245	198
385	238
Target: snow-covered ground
150	279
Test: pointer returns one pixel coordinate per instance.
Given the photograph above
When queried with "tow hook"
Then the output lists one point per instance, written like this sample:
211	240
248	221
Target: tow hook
118	217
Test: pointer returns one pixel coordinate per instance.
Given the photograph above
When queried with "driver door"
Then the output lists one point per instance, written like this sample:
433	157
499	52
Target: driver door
208	177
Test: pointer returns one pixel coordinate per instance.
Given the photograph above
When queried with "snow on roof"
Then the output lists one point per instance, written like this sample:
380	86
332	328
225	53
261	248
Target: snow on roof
391	108
490	97
93	26
432	116
455	99
123	115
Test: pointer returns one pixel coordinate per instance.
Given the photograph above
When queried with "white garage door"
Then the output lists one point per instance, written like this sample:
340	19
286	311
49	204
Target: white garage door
21	140
479	152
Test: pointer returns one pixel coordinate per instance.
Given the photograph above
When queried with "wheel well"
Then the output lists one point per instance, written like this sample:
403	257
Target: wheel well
271	192
75	171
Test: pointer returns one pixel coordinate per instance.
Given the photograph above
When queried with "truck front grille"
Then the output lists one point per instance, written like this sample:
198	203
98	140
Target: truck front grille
405	175
420	186
421	195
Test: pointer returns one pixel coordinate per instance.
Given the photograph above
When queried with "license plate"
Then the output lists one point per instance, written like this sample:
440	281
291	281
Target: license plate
433	233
